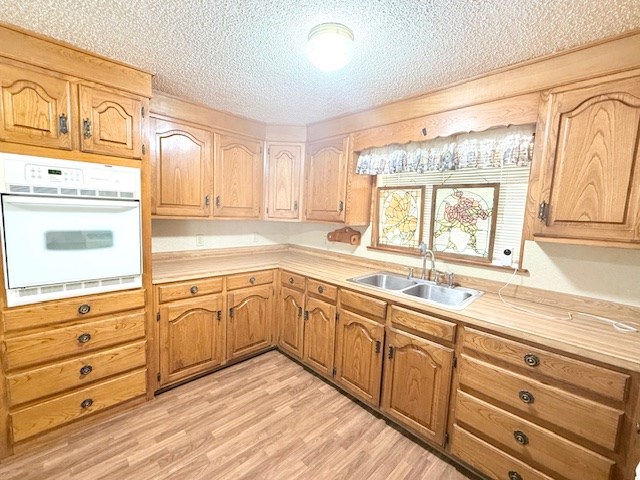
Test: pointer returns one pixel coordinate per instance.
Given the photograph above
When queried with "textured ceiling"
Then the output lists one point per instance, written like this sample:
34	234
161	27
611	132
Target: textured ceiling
248	57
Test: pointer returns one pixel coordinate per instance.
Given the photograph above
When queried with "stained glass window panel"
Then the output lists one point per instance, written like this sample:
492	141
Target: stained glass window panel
400	217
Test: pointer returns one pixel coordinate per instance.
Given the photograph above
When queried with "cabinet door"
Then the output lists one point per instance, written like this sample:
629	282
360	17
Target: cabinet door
291	321
237	177
35	108
417	381
326	181
359	356
181	157
319	335
591	163
283	188
249	324
190	334
111	122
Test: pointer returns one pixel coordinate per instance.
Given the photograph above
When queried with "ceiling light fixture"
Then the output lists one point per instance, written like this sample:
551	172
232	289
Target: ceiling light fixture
330	46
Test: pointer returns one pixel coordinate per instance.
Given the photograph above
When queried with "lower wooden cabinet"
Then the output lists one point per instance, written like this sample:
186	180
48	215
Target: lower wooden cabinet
319	335
359	356
291	321
249	322
417	378
191	338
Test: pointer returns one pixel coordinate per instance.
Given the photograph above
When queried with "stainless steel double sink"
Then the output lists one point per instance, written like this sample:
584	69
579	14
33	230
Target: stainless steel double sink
454	298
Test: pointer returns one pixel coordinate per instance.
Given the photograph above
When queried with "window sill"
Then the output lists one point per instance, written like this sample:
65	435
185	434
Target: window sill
461	261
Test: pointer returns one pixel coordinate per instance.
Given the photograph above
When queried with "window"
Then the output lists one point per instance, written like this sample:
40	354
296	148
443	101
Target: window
462	212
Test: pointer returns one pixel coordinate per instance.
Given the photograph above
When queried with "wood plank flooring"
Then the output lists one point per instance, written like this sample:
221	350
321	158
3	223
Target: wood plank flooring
266	418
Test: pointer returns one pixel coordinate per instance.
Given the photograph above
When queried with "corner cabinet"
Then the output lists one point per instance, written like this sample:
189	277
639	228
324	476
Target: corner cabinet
284	178
181	157
238	176
589	176
334	193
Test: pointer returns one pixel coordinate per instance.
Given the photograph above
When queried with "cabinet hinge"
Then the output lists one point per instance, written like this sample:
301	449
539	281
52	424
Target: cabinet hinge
144	149
142	112
306	314
333	373
158	317
269	151
455	361
267	210
446	438
219	315
158	376
231	312
543	211
337	316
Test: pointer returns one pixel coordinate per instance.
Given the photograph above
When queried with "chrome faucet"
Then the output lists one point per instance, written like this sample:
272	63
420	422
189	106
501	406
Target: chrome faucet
425	251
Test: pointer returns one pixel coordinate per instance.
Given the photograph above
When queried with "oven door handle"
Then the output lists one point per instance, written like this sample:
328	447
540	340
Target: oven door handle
70	202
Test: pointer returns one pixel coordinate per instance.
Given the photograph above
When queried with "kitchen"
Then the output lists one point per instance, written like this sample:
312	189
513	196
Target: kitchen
235	216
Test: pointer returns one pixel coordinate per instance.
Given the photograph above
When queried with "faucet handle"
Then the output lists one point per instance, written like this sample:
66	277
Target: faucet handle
450	279
410	275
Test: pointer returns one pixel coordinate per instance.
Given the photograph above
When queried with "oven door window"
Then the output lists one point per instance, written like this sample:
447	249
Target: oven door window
62	240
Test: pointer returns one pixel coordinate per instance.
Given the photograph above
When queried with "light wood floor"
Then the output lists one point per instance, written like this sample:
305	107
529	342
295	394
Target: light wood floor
266	418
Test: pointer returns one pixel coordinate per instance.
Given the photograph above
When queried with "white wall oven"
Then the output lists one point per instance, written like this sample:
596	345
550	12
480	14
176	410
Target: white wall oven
68	228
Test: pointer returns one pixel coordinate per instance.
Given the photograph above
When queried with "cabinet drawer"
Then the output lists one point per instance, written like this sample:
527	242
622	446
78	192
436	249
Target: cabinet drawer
583	375
56	378
322	290
249	279
586	418
193	288
364	305
74	340
292	280
59	311
529	441
422	324
490	460
44	416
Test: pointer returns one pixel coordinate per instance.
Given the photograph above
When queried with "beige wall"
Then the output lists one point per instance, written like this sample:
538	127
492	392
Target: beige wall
607	273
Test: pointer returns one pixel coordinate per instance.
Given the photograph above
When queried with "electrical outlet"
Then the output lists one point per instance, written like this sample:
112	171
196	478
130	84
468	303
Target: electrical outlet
199	240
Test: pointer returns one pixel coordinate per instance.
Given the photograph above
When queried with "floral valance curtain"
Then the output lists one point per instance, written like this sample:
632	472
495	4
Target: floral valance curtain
493	148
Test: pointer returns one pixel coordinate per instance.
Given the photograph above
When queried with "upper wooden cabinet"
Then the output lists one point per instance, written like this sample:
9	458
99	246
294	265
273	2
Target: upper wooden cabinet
283	184
181	157
589	174
334	193
238	177
35	108
111	122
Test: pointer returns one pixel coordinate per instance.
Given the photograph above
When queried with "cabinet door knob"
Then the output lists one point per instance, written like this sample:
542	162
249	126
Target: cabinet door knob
86	128
84	309
84	338
531	360
291	280
513	475
86	370
252	280
86	403
521	437
525	396
193	290
320	289
63	126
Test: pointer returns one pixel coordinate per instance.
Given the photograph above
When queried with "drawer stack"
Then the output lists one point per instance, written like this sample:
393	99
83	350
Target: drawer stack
524	413
71	358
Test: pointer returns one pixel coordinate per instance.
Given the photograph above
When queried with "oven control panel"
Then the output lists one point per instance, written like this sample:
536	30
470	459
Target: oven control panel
42	173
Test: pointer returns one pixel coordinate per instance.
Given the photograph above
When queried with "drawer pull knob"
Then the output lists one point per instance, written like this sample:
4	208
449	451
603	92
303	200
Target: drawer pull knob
84	309
320	289
193	290
252	280
520	437
514	475
86	370
525	396
84	338
531	360
291	280
86	403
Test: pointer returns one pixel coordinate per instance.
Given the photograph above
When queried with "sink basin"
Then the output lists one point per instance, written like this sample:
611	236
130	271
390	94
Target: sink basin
451	297
455	298
385	281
